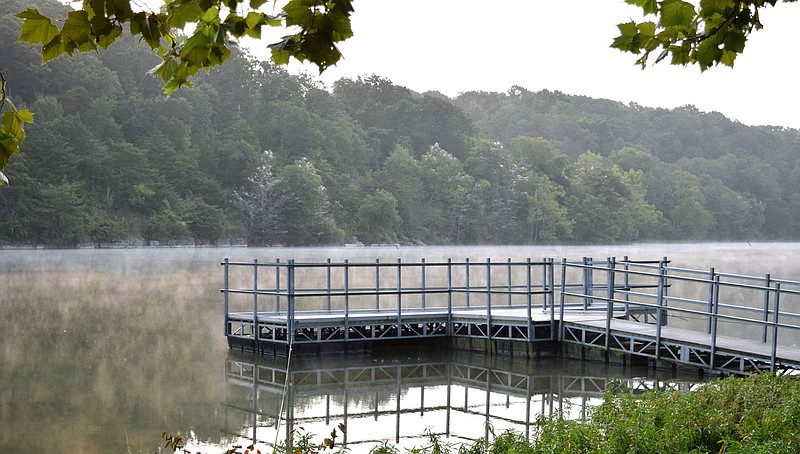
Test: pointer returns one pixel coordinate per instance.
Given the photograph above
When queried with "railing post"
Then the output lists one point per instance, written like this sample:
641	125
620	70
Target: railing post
587	282
346	300
767	283
714	320
711	277
626	284
561	297
225	288
545	278
377	284
529	298
449	297
610	264
774	354
488	298
423	283
665	265
290	271
328	281
399	297
466	277
550	287
659	309
277	285
509	282
255	305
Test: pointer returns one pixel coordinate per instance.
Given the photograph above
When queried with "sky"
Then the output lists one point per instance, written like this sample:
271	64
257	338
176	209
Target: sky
455	46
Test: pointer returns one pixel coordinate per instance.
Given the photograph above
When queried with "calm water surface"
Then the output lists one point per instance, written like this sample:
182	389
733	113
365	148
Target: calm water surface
102	350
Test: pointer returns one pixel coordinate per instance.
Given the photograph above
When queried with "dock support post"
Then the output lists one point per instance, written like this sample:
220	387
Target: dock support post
529	298
225	287
767	283
256	346
775	327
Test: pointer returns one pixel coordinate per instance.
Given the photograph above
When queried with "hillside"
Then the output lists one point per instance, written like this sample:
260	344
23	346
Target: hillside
254	154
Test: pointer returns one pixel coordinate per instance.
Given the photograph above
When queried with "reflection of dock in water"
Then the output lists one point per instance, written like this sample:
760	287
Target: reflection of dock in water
399	399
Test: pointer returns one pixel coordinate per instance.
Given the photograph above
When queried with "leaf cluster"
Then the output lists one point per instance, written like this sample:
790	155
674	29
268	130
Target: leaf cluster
216	25
710	33
12	129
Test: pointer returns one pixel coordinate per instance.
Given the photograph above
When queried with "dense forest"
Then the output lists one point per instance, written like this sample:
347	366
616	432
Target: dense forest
254	154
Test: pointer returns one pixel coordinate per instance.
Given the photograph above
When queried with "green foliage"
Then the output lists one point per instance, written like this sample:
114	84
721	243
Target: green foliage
216	25
303	206
435	445
606	203
166	224
300	441
400	176
12	128
384	448
205	222
102	228
736	414
546	215
378	218
708	33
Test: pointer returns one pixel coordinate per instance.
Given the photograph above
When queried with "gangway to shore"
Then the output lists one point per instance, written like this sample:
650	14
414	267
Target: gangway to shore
613	310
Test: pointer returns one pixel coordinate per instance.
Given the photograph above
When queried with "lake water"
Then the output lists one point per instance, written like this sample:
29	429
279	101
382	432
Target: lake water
102	350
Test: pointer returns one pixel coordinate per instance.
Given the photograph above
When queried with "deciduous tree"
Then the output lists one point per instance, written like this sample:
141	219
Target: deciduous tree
705	33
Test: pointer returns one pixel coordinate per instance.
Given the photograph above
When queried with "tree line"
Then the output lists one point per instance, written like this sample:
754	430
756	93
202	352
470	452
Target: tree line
257	155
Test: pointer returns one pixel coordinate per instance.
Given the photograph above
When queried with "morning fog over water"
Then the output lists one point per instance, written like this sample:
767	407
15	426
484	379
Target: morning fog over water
102	350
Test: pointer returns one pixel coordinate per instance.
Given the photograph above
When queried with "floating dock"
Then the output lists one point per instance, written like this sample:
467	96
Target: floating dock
613	310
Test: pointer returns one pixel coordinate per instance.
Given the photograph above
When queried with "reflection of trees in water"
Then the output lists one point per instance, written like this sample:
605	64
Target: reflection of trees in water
99	362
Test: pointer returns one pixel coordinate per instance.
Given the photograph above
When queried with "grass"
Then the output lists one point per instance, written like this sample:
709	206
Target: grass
757	414
760	413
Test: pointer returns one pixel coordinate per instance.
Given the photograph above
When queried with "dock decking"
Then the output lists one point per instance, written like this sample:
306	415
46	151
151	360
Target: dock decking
703	319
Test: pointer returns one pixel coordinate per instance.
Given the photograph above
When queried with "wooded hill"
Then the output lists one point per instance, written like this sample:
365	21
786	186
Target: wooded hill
255	154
